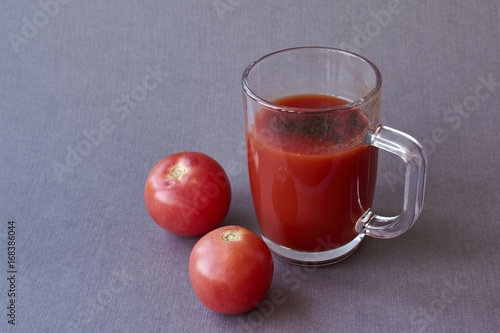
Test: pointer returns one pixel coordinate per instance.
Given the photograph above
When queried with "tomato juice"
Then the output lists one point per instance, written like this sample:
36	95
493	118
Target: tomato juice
311	174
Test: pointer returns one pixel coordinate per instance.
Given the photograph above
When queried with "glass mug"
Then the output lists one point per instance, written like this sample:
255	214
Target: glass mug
312	130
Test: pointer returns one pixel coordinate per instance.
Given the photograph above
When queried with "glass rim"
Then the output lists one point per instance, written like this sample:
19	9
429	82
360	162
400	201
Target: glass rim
276	107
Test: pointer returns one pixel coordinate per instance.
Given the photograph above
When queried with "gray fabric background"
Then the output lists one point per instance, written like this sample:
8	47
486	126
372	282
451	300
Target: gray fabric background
90	259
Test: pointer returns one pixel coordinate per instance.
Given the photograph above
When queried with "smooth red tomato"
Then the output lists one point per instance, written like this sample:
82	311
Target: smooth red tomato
188	193
231	270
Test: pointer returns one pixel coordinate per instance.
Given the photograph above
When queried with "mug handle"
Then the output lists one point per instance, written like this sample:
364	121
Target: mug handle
413	155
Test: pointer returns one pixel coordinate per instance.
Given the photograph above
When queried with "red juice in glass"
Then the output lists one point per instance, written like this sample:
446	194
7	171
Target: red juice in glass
311	175
313	131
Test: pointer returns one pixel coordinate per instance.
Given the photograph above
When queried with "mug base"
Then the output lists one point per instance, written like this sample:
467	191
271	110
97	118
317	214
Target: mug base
314	259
